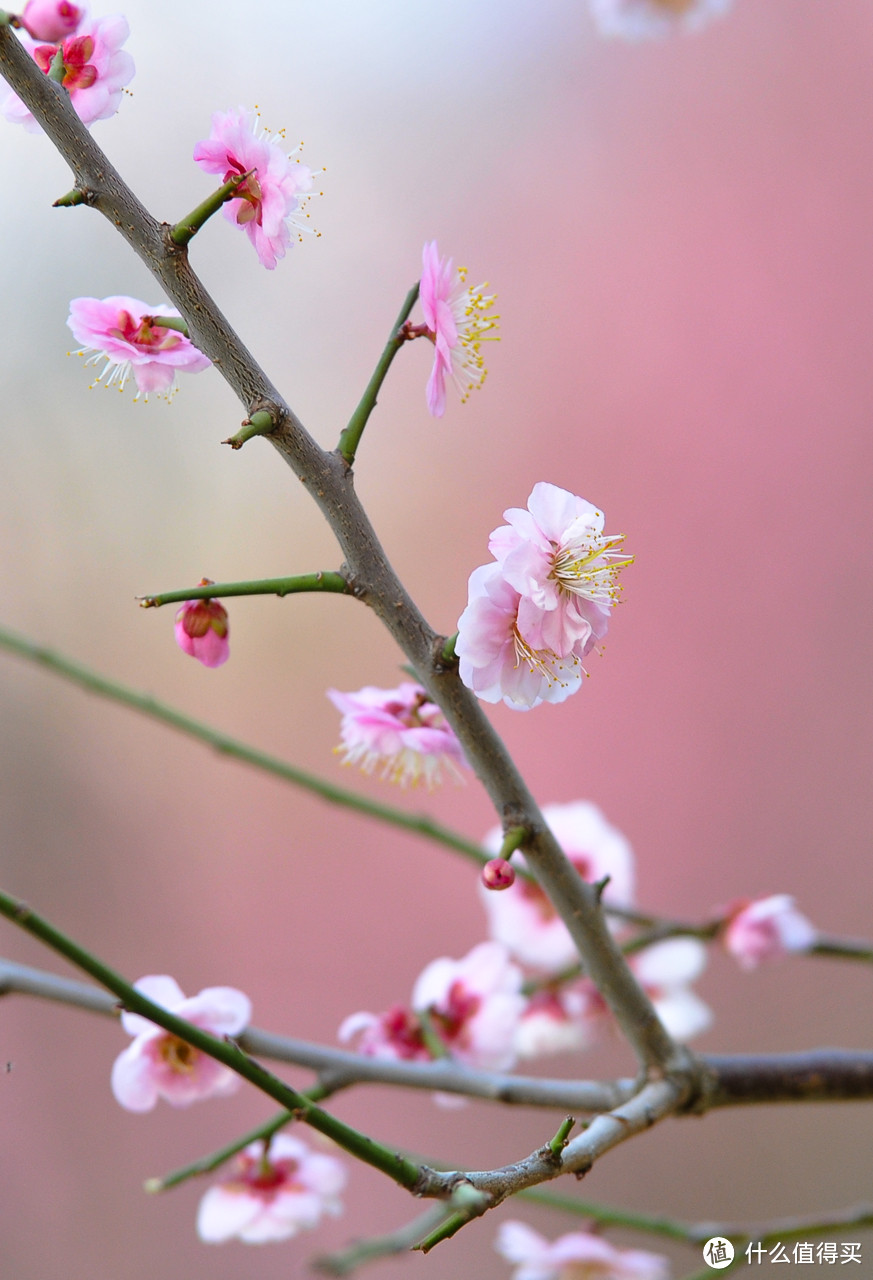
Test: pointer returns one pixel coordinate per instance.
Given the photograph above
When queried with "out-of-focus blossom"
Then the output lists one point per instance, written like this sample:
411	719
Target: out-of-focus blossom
268	203
565	568
643	19
579	1255
202	630
495	660
275	1190
561	1019
398	733
665	971
524	920
122	331
458	322
51	20
766	929
96	71
472	1007
160	1065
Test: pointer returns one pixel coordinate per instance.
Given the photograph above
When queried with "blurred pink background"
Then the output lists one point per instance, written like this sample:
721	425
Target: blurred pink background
680	237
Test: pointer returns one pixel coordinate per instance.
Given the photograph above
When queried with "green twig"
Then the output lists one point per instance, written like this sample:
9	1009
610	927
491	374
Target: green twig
418	824
344	1261
610	1217
513	839
259	423
168	322
321	581
57	70
187	228
562	1137
397	1167
71	198
351	436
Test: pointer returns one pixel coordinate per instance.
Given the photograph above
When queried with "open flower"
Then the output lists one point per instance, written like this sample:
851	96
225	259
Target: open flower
268	203
160	1065
470	1006
51	20
767	929
523	919
96	71
458	323
202	629
277	1189
398	733
557	557
579	1255
122	331
496	661
642	19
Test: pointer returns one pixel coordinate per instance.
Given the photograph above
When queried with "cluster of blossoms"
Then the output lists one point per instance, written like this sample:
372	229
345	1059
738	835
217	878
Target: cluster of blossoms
534	614
485	1012
398	733
277	1188
96	68
457	321
579	1255
644	19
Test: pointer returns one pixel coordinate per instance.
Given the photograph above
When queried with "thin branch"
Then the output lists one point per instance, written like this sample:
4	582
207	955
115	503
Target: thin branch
58	663
345	1261
326	581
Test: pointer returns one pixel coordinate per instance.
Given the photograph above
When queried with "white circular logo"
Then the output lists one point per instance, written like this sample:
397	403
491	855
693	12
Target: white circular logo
718	1253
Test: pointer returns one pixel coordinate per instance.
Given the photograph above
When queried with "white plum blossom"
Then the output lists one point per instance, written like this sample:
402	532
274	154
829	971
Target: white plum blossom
645	19
579	1255
523	918
766	929
159	1064
276	1190
471	1006
665	971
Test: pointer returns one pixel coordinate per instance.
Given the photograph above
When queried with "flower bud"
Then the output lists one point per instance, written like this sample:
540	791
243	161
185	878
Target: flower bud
497	874
51	20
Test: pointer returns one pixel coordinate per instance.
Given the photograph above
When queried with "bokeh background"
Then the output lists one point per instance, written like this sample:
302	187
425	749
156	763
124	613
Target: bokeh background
680	236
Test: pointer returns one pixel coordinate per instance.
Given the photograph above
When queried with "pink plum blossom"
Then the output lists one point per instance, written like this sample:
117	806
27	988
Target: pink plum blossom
496	661
96	71
398	733
122	331
458	323
160	1065
51	20
473	1006
276	1189
643	19
765	929
523	919
202	630
557	557
267	204
577	1255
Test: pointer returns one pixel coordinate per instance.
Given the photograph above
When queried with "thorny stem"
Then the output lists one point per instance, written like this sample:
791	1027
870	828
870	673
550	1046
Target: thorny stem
329	478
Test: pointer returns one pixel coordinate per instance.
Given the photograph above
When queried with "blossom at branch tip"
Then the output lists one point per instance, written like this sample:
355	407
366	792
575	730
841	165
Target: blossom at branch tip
644	19
523	919
276	1189
458	323
51	20
565	568
472	1007
96	70
574	1256
202	630
494	659
765	929
398	733
122	331
161	1065
268	203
